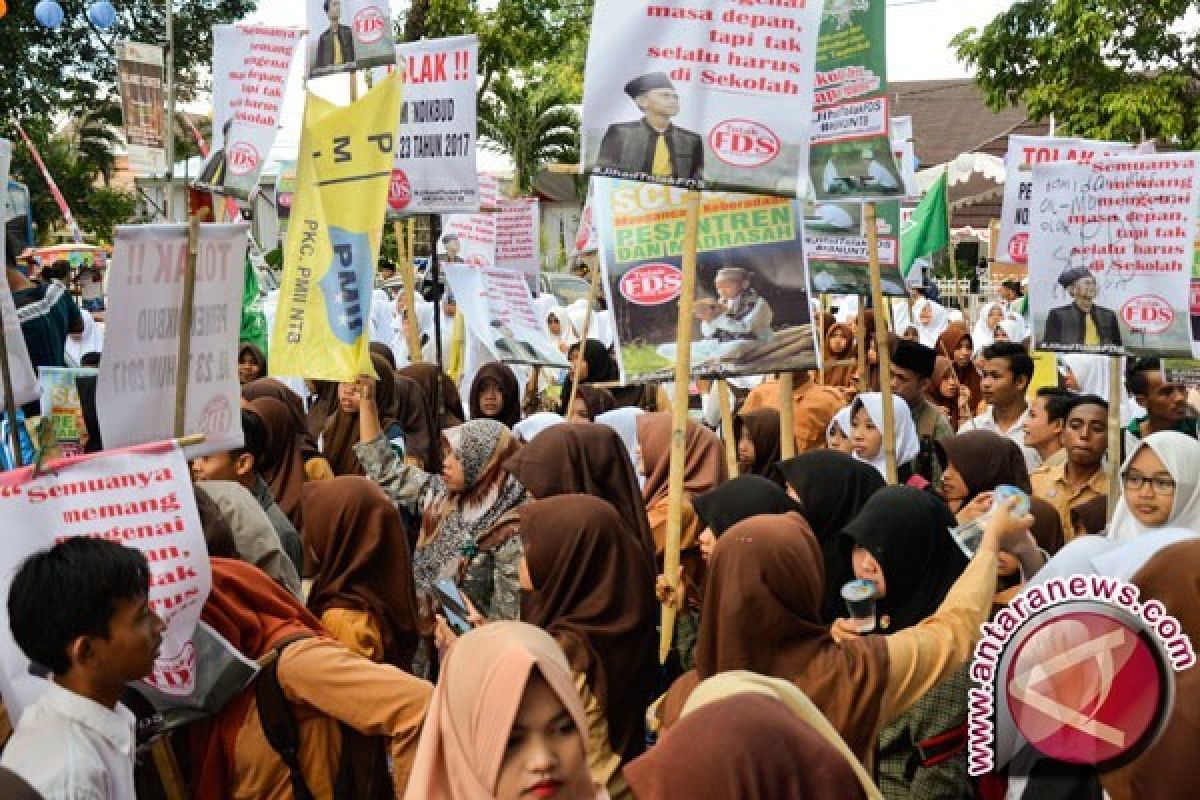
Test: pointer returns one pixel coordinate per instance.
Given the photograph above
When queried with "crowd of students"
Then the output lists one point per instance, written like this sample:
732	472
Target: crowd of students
343	530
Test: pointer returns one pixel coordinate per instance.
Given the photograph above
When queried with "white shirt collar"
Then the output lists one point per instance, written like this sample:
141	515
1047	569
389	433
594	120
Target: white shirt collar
115	726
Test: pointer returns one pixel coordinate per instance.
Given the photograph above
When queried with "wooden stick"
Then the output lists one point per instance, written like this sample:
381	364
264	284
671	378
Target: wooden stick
408	274
10	402
1114	433
168	770
353	86
183	364
679	414
593	288
787	416
882	348
731	443
864	368
819	337
994	244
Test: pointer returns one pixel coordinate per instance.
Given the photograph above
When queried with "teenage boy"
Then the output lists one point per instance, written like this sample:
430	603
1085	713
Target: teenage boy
1044	425
912	369
1081	478
1165	403
1007	371
80	611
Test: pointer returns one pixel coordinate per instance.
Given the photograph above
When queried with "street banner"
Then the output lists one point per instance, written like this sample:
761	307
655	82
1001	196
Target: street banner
714	95
251	64
586	241
498	308
135	395
285	191
519	235
139	497
835	246
1111	251
24	381
752	309
62	410
435	171
345	165
904	150
1024	152
143	106
348	35
851	138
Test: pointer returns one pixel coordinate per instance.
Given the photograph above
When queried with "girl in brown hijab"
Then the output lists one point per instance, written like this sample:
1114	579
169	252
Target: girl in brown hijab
590	403
356	552
943	391
496	394
440	391
591	588
283	469
840	345
956	344
976	462
252	363
758	443
341	428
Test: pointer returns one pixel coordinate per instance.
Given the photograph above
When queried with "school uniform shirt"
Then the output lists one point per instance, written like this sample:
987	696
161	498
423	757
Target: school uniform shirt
1050	484
987	422
71	748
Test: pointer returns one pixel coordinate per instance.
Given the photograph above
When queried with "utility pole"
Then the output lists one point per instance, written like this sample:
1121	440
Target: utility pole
169	142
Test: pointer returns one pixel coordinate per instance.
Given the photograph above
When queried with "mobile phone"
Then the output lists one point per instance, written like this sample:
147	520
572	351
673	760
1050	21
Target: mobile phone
454	605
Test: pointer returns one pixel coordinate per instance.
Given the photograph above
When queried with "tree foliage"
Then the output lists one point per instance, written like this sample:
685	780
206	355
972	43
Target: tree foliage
531	122
1103	68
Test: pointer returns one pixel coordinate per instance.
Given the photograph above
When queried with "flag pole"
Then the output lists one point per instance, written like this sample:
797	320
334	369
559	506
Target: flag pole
593	289
787	416
731	444
882	347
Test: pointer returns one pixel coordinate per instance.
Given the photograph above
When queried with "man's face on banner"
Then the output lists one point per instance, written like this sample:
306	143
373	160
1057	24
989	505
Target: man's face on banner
1084	289
334	11
664	102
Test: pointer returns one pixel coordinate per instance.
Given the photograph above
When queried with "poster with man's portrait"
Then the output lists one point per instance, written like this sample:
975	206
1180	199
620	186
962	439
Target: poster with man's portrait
349	35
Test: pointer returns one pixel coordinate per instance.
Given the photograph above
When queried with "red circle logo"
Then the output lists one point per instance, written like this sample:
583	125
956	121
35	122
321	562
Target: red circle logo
216	418
1018	248
242	158
369	25
1148	313
744	143
651	284
175	675
400	191
1085	688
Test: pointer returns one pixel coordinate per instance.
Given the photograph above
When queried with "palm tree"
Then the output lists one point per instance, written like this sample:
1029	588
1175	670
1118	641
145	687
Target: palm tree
94	139
532	123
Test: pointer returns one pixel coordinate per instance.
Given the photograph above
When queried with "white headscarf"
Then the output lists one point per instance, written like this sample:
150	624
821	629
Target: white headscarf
90	341
1180	454
928	334
1014	329
908	444
534	424
624	422
842	420
982	336
1091	372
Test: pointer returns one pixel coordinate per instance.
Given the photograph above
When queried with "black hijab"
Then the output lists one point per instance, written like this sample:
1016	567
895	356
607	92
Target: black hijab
908	532
832	487
741	498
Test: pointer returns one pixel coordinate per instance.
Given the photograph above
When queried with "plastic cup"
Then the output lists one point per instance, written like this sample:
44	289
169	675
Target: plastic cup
860	602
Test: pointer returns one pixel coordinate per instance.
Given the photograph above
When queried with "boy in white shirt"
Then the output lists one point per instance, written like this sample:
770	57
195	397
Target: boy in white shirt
80	610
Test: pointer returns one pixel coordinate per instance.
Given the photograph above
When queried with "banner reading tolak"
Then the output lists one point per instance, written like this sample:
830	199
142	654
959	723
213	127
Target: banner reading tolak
345	164
713	95
24	381
435	141
140	79
140	498
1111	254
250	71
346	35
135	396
1023	153
498	308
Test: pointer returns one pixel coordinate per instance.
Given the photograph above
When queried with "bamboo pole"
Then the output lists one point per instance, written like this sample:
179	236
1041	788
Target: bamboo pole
882	348
950	248
679	413
168	770
183	364
593	289
731	443
864	368
10	402
1114	433
787	416
408	274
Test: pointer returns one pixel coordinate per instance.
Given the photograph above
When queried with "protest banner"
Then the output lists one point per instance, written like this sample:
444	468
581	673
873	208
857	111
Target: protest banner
348	35
586	241
1024	152
434	171
20	383
835	245
1112	247
143	106
251	64
285	191
519	235
499	311
1184	371
471	238
345	164
137	391
62	409
752	302
904	151
139	497
710	95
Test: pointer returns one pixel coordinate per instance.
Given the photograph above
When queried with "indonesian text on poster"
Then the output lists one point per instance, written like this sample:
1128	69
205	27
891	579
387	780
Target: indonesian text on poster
518	235
835	244
140	78
471	238
1024	152
435	169
61	407
751	310
508	236
140	498
708	94
498	308
1112	247
135	396
347	35
851	140
250	72
345	163
24	381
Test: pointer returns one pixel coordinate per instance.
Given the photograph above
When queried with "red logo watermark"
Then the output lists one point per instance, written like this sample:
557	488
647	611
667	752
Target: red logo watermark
1148	313
400	191
1018	248
651	284
369	25
744	143
242	158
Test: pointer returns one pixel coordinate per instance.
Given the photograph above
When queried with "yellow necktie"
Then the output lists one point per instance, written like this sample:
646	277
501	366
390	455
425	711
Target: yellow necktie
1090	334
661	166
337	48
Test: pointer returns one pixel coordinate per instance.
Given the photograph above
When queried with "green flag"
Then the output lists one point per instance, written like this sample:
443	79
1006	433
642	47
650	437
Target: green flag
254	321
928	231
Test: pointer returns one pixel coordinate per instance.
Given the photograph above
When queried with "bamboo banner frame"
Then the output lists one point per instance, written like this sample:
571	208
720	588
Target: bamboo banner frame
727	430
593	290
863	366
787	416
679	414
408	274
1115	434
882	346
182	365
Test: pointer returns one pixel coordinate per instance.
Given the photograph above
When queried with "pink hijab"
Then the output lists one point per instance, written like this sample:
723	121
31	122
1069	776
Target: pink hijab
475	705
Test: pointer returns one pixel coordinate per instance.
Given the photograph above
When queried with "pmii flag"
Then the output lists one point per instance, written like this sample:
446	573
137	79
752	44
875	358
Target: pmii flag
344	169
929	230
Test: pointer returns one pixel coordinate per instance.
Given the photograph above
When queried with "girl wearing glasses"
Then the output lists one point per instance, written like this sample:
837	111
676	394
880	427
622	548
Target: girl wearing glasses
1160	487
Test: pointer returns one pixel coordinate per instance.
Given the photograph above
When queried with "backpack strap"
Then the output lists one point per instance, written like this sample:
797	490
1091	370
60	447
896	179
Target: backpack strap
278	722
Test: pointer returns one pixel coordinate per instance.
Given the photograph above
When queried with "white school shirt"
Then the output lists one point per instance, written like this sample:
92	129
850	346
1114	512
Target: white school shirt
987	422
71	748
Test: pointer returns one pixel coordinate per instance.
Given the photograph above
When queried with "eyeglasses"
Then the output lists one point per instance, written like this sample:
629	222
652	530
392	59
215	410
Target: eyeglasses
1134	481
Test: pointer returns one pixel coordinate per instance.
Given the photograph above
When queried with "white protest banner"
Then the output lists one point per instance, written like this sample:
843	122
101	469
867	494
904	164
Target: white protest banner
251	64
713	94
135	396
138	497
347	35
904	150
1111	253
586	240
435	140
143	110
24	381
1023	153
471	238
519	235
499	311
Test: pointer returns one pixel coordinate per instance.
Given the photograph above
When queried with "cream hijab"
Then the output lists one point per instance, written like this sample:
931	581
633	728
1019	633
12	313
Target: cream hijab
474	707
1180	454
928	334
908	444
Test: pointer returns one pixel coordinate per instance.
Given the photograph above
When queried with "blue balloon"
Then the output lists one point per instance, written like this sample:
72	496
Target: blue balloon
49	13
102	14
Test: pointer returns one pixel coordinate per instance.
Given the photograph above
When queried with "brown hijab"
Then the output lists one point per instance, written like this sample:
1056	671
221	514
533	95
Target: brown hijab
269	387
704	467
985	460
841	375
762	607
941	368
594	593
584	458
421	434
762	426
356	551
341	428
967	376
283	467
434	382
504	378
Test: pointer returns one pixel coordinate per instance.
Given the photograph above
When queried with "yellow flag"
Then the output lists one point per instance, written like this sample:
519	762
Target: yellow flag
343	170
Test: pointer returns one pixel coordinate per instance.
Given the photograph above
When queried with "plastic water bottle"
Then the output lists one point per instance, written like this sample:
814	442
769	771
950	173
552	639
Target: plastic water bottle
968	536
